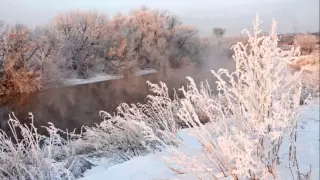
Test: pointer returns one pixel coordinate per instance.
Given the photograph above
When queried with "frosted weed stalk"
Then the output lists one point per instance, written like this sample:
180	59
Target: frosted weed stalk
24	158
256	107
137	129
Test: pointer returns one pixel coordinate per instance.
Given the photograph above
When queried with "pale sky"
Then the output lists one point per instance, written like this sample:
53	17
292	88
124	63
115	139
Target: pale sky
234	15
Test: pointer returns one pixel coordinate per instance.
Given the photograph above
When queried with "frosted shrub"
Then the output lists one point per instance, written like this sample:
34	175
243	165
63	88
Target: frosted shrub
255	108
137	129
23	157
116	135
306	42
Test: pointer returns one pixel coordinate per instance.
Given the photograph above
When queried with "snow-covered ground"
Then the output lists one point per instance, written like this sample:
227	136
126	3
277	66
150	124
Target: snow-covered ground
147	167
103	77
308	143
154	166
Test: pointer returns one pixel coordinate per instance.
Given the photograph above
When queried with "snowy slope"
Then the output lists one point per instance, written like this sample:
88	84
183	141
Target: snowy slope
308	143
153	166
147	167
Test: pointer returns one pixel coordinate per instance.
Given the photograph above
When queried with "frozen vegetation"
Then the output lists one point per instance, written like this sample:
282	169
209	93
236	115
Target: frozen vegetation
254	128
82	46
154	166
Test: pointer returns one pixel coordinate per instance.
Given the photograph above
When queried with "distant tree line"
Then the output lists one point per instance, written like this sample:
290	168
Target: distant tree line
79	43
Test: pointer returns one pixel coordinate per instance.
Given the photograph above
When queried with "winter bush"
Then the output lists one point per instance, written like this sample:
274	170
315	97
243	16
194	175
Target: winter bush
310	85
126	134
309	65
255	108
307	43
23	157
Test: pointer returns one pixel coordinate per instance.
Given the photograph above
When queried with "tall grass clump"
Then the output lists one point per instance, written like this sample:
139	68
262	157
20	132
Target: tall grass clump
137	129
27	155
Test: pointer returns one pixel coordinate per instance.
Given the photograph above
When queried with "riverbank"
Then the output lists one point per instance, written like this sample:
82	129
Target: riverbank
155	166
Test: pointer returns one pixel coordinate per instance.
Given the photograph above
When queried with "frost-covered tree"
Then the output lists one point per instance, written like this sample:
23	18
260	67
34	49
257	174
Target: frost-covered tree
218	32
81	36
3	32
20	70
148	37
47	54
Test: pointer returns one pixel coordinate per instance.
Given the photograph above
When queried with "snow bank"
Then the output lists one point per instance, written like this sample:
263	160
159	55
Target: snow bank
103	77
308	143
146	167
153	166
97	78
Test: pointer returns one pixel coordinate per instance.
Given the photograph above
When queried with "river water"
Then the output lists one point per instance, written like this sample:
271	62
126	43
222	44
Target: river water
74	106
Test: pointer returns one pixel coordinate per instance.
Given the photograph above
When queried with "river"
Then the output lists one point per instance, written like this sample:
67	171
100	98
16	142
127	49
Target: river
74	106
